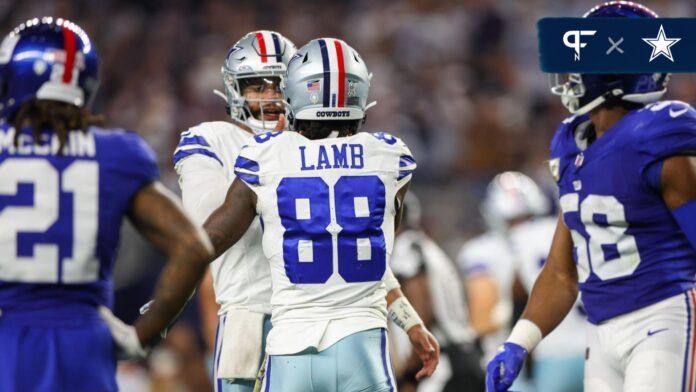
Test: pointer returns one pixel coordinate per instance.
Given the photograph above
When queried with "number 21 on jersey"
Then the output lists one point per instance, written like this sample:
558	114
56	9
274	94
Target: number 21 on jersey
354	207
30	213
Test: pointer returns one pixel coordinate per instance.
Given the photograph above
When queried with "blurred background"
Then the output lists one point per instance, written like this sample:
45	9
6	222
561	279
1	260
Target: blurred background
458	80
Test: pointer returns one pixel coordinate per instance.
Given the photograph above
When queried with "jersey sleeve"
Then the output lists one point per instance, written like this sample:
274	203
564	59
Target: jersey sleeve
137	165
672	132
407	164
247	167
195	143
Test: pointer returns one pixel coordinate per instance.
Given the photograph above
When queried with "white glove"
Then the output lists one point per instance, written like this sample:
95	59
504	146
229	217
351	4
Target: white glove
127	343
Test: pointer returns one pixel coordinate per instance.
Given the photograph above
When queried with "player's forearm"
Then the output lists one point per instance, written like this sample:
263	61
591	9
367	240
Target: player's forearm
552	297
186	266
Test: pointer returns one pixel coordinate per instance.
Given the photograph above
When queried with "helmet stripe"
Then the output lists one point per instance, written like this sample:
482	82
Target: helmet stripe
327	72
262	46
341	73
333	67
70	46
276	45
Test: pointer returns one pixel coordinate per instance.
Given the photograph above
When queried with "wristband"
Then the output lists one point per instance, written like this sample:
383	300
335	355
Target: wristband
525	334
402	314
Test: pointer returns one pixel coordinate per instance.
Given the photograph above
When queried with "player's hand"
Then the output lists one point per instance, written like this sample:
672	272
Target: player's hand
426	347
280	125
128	345
504	367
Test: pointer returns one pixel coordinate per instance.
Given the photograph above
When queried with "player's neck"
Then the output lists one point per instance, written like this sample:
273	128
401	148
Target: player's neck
603	118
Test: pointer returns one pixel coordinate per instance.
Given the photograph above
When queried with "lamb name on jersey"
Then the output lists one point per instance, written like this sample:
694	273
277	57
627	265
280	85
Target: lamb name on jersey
629	250
61	217
328	210
204	161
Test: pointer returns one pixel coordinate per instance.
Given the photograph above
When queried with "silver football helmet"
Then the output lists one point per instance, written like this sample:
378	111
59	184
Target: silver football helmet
512	195
326	80
259	54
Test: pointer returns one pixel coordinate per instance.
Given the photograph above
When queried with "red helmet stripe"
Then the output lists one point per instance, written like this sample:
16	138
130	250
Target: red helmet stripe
70	46
341	74
262	46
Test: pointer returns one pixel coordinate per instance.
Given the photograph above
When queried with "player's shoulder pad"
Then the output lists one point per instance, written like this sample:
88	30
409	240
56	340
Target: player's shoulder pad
666	128
564	137
199	141
130	147
247	167
407	162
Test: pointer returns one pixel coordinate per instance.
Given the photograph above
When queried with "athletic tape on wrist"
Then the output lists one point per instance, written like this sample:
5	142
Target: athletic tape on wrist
402	314
525	334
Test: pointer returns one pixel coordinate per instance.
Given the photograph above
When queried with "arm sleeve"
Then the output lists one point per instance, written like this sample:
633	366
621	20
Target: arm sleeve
672	133
203	185
201	173
407	164
194	144
247	168
137	163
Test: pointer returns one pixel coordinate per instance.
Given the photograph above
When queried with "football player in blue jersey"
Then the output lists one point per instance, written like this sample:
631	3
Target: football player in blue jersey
65	187
626	235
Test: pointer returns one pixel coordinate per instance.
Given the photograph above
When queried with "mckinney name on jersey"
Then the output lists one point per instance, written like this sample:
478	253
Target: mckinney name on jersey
629	250
328	209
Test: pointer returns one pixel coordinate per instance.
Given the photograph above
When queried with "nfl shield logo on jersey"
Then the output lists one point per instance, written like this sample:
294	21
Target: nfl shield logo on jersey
579	159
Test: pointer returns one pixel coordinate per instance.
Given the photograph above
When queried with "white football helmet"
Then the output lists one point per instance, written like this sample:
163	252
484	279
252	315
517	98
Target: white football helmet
512	195
327	80
258	54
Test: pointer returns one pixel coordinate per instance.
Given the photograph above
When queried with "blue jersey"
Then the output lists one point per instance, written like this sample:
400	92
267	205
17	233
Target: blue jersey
60	219
628	248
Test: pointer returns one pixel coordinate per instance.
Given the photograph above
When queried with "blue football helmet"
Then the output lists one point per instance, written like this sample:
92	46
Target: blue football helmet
581	93
47	58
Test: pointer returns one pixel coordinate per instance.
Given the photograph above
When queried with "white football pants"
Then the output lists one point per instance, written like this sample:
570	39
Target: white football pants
650	349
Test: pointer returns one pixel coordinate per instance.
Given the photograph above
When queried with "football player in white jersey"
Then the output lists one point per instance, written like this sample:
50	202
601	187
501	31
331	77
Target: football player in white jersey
488	261
329	205
204	160
195	144
429	278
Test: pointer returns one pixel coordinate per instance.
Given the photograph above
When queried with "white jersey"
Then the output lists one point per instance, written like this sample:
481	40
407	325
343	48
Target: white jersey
490	254
205	161
415	252
531	241
328	209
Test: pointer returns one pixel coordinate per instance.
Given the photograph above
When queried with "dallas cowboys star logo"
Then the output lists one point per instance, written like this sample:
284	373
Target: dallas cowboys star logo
661	45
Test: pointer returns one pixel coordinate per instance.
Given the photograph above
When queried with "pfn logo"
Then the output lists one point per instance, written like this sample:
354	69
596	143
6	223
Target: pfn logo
576	43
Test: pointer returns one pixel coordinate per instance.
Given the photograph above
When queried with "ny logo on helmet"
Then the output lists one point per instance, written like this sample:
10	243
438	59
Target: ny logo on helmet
576	44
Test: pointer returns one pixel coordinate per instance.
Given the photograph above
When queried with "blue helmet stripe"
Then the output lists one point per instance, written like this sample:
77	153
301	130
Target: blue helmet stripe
327	73
181	154
276	44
